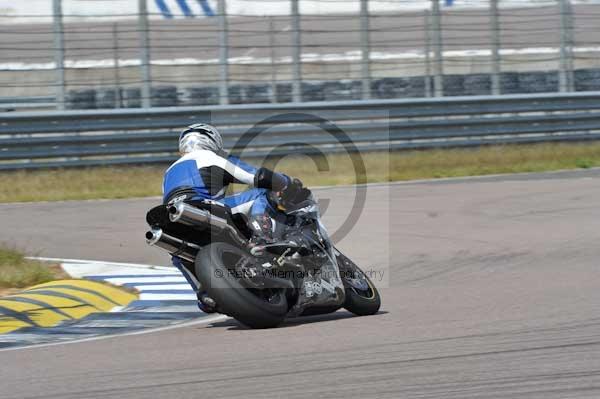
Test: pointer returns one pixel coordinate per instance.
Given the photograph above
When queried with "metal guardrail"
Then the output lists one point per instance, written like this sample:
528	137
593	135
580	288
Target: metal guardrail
81	138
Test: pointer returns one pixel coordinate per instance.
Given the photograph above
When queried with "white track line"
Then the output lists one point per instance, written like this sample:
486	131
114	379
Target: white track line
157	279
164	287
457	178
117	264
168	297
204	320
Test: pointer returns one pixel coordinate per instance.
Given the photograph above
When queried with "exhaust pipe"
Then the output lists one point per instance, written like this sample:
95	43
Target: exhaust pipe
192	216
173	245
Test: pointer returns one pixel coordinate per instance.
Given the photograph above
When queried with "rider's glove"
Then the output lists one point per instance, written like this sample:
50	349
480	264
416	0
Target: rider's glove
286	190
266	178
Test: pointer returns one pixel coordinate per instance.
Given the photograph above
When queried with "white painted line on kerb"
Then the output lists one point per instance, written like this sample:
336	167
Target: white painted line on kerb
163	287
99	262
180	284
156	279
204	320
168	297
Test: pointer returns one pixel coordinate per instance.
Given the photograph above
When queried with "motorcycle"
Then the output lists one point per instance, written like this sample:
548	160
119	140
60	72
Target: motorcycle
301	273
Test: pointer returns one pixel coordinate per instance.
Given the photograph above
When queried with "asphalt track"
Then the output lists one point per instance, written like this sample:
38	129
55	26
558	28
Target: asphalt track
493	292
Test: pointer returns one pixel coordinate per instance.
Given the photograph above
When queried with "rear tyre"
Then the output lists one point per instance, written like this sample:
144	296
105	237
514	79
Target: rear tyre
217	272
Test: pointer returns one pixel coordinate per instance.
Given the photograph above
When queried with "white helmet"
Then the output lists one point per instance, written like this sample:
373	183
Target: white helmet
200	137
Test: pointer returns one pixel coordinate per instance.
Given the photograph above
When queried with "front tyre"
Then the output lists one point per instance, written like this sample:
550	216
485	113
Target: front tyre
363	302
217	270
362	297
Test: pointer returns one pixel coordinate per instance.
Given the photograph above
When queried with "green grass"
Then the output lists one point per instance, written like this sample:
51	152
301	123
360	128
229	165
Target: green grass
18	272
141	181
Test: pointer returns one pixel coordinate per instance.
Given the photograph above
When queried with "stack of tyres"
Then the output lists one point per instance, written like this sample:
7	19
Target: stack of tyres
164	96
389	88
509	83
342	90
201	95
538	82
107	98
81	99
235	94
132	97
284	92
334	90
453	85
587	80
313	91
257	93
416	87
477	84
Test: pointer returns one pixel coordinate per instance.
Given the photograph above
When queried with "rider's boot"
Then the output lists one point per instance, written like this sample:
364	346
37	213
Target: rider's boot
206	303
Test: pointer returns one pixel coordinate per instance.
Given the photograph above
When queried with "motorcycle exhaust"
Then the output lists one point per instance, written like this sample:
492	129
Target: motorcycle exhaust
173	245
192	216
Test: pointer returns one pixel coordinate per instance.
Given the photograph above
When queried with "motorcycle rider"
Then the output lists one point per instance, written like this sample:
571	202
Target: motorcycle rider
204	172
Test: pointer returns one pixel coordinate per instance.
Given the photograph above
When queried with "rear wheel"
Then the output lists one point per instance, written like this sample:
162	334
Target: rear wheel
220	269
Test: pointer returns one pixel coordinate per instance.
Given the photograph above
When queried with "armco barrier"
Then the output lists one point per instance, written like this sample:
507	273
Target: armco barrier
81	138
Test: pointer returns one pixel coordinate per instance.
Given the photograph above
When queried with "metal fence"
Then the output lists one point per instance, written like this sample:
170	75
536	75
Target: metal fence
81	138
297	50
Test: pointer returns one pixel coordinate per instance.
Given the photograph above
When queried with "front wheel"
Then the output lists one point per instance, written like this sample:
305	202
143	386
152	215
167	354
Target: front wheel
218	270
362	297
363	302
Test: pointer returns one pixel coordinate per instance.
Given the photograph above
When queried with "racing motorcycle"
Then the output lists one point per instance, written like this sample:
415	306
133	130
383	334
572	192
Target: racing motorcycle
300	273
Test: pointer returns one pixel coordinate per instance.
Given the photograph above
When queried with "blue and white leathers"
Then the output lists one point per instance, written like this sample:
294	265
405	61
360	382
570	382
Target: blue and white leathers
209	174
206	175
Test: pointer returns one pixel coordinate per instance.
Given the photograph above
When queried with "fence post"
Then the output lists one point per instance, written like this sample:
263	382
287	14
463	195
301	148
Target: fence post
116	67
59	53
571	40
565	78
223	53
438	69
495	34
427	51
144	53
272	44
296	53
365	43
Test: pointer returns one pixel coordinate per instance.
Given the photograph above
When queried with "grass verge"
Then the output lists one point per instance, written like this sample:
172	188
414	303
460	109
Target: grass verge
18	272
141	181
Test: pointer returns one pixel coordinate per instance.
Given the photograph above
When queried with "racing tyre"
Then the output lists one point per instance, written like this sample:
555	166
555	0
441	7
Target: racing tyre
362	297
217	269
363	302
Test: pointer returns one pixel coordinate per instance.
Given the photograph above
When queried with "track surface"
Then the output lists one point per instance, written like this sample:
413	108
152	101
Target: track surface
494	293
